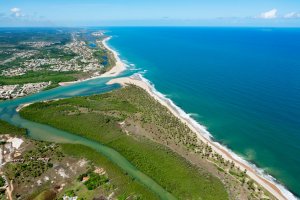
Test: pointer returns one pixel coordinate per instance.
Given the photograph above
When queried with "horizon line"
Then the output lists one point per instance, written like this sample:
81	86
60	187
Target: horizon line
149	26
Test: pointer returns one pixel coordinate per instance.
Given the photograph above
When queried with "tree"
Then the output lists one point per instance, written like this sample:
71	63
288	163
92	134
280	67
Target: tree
2	181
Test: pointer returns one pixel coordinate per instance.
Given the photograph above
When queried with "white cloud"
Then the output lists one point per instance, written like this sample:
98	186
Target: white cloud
16	12
271	14
16	17
292	15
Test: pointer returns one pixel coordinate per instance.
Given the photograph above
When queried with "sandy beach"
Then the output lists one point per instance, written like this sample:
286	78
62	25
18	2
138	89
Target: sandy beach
119	66
20	107
114	71
202	134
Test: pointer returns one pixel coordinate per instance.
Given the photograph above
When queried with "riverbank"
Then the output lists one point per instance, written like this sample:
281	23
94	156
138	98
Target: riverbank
117	69
22	106
19	168
204	136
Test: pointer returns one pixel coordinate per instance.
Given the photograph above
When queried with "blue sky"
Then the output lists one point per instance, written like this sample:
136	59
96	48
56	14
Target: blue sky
154	12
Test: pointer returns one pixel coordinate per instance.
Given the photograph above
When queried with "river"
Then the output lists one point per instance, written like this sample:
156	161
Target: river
46	133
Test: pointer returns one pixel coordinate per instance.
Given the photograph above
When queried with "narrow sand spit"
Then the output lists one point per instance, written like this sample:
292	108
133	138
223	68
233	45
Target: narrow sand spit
114	71
119	66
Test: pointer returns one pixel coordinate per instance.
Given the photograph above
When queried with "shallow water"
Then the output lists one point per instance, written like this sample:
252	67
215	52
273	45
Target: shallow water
46	133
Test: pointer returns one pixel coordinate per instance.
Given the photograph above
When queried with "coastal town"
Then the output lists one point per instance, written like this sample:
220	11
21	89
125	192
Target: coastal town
76	56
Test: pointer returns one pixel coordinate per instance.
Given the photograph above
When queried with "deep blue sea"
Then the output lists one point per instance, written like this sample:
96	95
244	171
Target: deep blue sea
243	84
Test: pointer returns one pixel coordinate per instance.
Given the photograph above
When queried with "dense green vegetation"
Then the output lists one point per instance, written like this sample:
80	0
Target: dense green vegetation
70	193
6	128
123	183
39	76
2	181
97	117
33	163
95	180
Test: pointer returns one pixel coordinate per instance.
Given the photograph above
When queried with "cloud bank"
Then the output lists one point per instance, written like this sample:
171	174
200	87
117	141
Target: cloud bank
292	15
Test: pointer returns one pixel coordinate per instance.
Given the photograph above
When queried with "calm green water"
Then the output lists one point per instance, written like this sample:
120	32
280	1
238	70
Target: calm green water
46	133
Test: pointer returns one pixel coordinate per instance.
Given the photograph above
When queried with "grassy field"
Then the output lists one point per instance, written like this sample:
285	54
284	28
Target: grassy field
6	128
98	118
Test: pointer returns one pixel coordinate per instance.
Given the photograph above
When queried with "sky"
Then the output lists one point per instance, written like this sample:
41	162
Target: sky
273	13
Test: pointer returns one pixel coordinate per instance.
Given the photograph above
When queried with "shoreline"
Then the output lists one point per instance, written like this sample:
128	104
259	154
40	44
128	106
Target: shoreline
20	107
119	65
276	189
117	69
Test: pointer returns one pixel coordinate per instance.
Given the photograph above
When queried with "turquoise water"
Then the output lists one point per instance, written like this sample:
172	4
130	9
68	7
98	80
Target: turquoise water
243	84
46	133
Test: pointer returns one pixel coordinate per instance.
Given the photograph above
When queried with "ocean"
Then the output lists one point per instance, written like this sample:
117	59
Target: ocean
242	84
